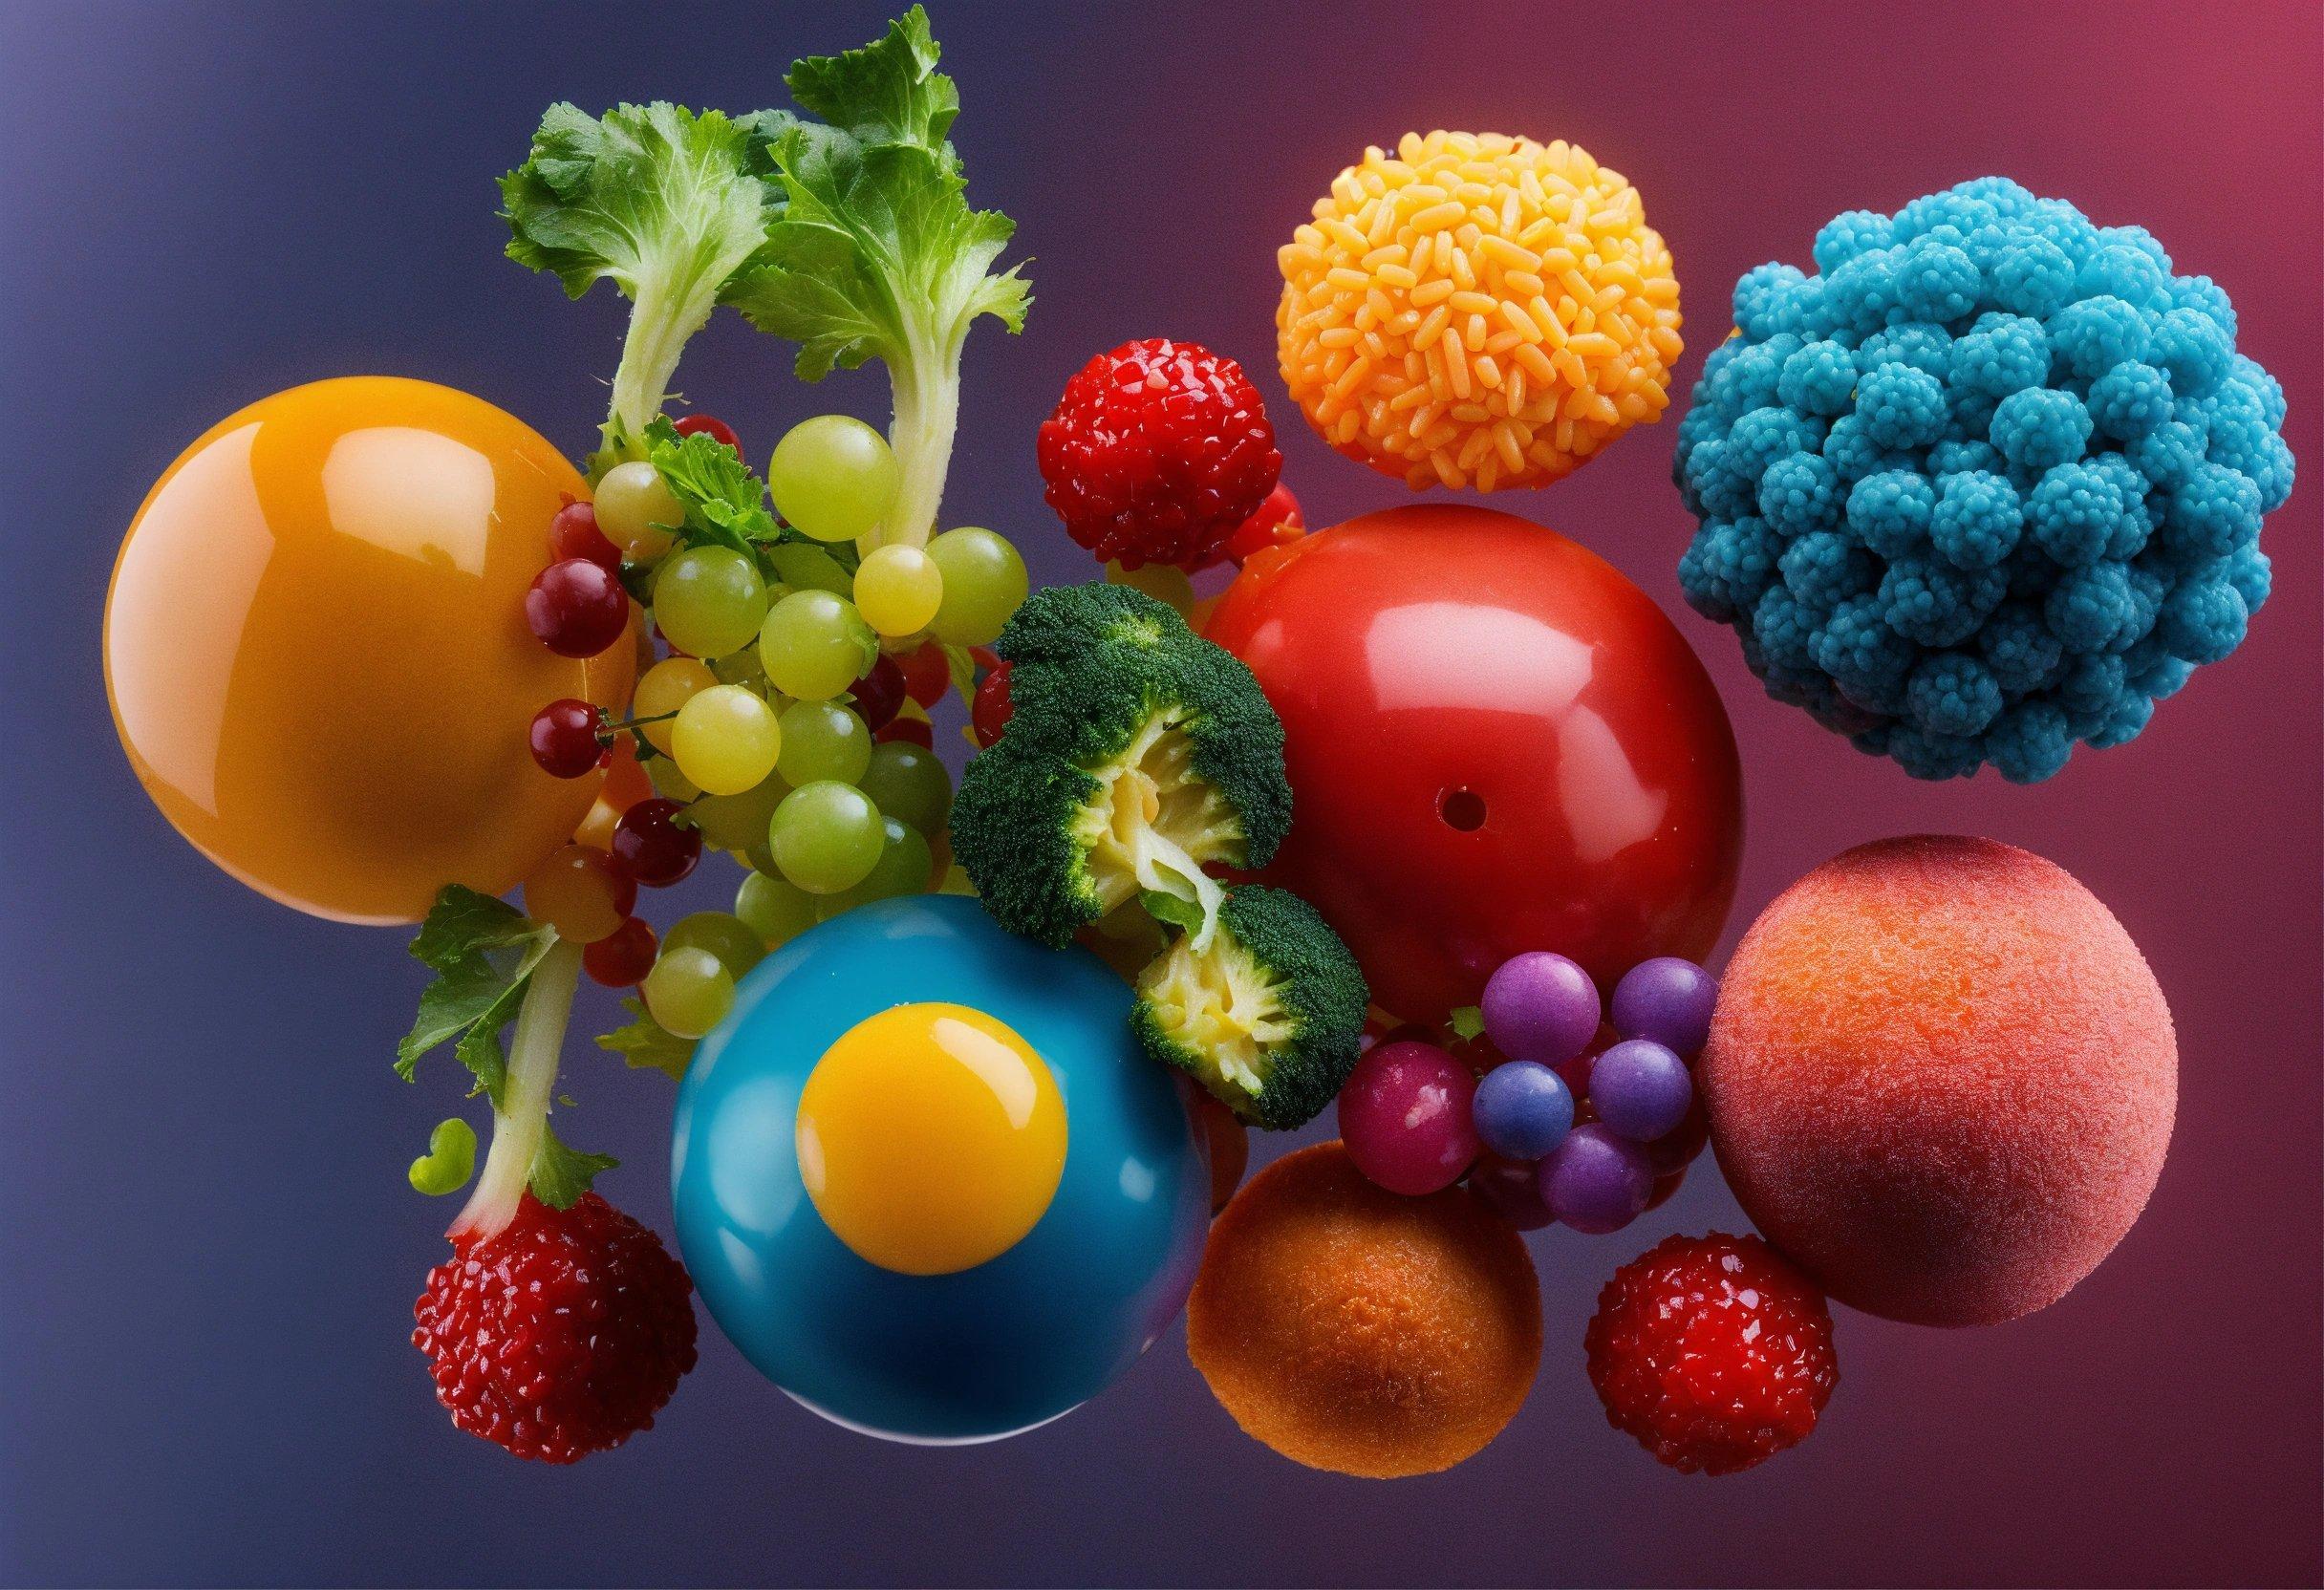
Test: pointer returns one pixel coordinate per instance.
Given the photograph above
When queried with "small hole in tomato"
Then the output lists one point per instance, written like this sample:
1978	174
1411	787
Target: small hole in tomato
1463	809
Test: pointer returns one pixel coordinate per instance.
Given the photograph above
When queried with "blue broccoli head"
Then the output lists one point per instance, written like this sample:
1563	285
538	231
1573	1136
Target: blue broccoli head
1989	483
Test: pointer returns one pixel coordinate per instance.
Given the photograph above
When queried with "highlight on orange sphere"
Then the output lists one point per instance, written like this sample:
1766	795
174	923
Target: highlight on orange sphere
317	652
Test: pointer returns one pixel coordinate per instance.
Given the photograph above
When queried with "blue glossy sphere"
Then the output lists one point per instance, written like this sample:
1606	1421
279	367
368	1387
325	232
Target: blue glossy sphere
1522	1109
984	1352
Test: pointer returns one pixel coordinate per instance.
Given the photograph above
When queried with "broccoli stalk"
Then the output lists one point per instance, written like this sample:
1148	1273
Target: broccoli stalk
873	251
657	200
1267	1014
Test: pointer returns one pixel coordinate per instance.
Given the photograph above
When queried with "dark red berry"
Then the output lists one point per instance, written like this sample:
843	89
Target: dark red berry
576	607
565	738
1665	1185
562	1335
878	694
1676	1149
1713	1352
927	674
704	424
991	710
913	731
1157	453
573	534
652	847
622	957
985	658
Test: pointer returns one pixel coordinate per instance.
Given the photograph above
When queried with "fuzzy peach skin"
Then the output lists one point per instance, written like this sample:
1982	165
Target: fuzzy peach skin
1941	1079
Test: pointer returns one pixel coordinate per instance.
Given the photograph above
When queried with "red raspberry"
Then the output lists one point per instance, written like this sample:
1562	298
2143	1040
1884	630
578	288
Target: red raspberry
561	1336
1712	1351
1157	453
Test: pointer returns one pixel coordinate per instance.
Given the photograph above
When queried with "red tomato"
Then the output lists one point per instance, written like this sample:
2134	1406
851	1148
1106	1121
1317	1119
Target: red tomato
1497	744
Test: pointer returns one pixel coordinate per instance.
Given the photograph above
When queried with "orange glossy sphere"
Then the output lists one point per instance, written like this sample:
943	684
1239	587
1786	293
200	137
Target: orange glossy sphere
317	652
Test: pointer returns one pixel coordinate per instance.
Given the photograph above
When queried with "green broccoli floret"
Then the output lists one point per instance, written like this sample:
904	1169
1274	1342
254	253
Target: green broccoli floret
1137	755
1267	1017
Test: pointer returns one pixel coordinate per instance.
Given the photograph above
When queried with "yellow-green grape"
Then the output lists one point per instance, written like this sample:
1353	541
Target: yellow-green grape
956	881
737	823
833	476
450	1159
815	644
669	780
636	510
737	944
903	868
826	836
984	582
744	668
689	991
709	600
1159	580
907	780
776	910
804	567
898	589
726	739
667	686
823	740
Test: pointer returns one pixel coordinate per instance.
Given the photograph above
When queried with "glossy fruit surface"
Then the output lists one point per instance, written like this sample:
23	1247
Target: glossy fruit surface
317	656
1497	744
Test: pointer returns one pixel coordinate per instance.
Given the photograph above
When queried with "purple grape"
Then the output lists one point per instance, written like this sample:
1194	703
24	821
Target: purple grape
1542	1007
1667	1000
1522	1109
1641	1088
1595	1182
1513	1188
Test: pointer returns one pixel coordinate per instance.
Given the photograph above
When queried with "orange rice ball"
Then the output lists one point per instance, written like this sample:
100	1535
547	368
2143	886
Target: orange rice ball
1478	310
1355	1330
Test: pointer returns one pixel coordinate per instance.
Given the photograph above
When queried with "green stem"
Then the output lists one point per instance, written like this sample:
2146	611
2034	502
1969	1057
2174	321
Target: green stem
522	1115
926	388
659	326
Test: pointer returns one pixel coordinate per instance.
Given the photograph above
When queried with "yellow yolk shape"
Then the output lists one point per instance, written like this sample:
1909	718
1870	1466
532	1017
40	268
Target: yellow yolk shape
931	1138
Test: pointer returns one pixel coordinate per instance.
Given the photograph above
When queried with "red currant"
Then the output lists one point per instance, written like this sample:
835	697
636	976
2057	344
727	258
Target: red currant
911	730
576	607
927	675
573	534
711	426
878	694
652	847
565	739
622	958
992	710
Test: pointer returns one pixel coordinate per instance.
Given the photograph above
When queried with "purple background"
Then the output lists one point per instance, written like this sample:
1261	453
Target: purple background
208	1251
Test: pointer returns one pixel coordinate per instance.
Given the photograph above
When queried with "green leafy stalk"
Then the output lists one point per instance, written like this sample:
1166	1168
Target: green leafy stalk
660	202
874	252
645	1044
494	965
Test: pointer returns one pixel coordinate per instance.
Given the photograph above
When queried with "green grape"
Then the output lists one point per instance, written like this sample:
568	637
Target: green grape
984	581
833	476
823	740
736	943
670	781
709	600
815	644
689	991
956	881
903	868
737	823
726	739
826	836
907	780
664	688
743	667
632	503
777	912
1158	580
898	589
805	568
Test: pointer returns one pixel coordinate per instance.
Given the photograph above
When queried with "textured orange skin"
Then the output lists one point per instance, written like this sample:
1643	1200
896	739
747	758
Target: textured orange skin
1941	1079
1357	1331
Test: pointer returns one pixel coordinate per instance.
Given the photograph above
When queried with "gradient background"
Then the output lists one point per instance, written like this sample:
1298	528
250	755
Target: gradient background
207	1251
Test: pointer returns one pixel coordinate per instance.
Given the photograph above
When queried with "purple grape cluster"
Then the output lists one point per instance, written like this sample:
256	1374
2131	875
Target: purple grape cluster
1542	1012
